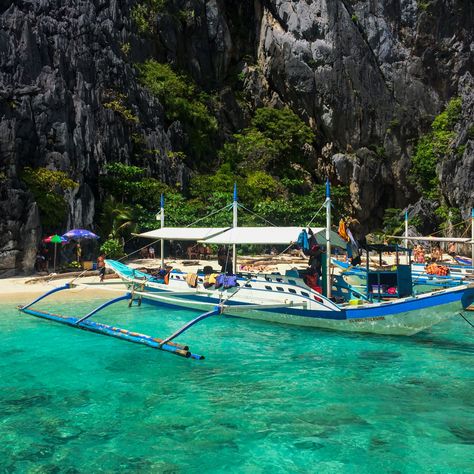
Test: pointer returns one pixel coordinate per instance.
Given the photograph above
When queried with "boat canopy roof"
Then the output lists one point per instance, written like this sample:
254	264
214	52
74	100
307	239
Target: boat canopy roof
183	233
271	235
380	248
464	240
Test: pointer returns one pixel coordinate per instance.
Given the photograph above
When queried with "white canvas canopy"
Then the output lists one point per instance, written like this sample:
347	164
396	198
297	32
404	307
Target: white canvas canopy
183	233
270	236
463	240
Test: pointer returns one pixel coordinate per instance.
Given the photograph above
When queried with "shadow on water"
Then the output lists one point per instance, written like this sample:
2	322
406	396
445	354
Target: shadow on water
463	434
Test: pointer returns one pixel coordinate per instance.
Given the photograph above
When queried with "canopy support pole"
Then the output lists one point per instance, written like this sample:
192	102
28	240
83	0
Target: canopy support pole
162	218
234	224
406	231
328	240
472	239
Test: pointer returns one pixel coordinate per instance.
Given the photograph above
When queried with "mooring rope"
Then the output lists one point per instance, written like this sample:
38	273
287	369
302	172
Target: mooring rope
465	319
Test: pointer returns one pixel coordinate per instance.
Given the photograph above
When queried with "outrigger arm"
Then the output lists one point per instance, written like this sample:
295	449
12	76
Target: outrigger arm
191	323
124	334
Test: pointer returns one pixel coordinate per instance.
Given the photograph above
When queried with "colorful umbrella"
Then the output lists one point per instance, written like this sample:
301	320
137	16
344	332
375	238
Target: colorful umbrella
80	234
55	239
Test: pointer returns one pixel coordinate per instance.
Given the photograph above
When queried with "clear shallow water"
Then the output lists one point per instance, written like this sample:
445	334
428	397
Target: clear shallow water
267	398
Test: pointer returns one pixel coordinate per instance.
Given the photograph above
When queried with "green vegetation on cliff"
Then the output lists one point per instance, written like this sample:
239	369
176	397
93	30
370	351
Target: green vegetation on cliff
432	147
48	188
182	101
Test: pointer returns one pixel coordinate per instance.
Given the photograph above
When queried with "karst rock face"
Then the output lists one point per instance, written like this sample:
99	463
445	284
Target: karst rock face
368	76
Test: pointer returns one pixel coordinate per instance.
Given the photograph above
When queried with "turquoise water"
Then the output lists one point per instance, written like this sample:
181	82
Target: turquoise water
267	398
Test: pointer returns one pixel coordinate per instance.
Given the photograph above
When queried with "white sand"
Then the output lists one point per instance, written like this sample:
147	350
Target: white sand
21	290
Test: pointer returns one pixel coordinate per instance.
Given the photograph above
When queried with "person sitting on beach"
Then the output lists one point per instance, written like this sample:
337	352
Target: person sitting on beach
162	275
436	254
452	249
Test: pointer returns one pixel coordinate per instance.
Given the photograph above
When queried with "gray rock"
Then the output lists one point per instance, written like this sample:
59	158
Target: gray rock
368	76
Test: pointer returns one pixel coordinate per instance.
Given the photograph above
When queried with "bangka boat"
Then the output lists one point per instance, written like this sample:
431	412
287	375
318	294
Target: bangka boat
288	299
422	281
278	298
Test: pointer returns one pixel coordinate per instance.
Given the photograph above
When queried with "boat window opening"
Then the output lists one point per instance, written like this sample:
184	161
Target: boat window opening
291	290
200	280
248	285
305	294
279	288
268	287
279	279
292	282
268	278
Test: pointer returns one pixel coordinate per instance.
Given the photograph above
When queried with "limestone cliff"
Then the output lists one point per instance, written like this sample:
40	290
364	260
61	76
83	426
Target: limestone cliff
368	76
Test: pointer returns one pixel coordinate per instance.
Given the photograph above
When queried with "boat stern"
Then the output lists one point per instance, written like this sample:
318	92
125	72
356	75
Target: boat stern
467	299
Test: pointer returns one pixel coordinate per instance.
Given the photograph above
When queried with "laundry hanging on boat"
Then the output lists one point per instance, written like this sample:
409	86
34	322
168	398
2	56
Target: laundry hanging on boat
342	230
303	241
192	279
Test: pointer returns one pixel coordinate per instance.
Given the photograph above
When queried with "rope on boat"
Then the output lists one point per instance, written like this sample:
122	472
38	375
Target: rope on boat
465	319
256	215
226	207
317	212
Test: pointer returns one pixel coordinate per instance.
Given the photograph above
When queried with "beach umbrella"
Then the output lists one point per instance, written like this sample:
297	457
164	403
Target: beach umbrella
55	239
80	234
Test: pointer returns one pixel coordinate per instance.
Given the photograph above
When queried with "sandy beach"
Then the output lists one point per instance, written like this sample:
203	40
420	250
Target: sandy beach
21	289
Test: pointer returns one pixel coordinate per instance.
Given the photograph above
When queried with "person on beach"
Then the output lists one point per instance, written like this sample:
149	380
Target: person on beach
78	250
315	262
101	266
151	251
452	249
224	259
436	254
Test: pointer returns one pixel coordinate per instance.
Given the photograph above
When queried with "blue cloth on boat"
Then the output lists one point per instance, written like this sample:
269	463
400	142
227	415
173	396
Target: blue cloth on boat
303	241
226	281
230	281
219	281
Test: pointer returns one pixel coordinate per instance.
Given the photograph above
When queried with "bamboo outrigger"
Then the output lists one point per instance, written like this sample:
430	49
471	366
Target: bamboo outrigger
120	333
